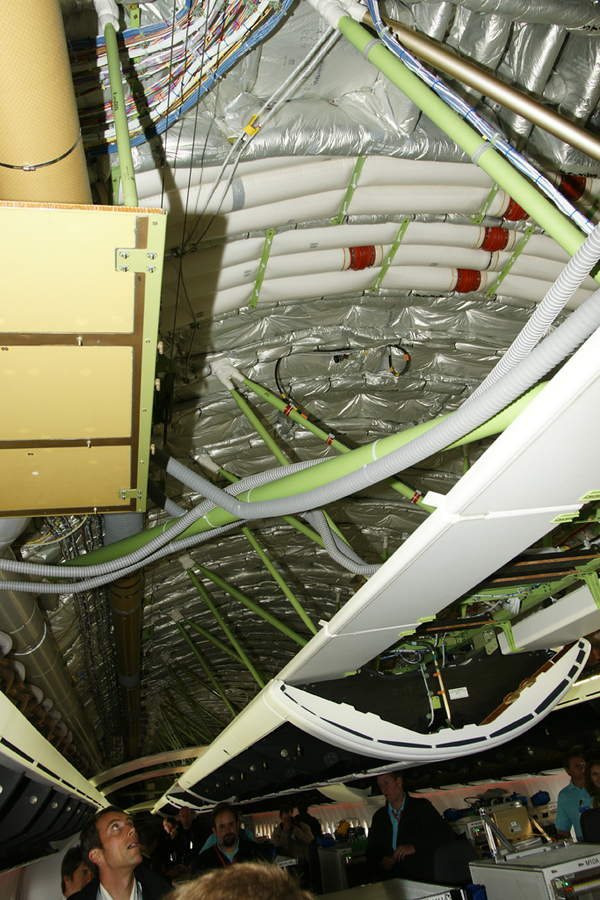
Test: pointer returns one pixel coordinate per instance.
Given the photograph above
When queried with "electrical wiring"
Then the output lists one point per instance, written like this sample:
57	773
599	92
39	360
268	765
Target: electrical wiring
173	65
498	141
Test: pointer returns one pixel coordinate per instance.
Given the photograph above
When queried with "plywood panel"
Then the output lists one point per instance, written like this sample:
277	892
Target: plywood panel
95	384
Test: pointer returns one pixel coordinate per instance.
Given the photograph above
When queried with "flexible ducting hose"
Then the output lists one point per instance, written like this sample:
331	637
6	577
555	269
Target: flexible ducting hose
335	551
544	315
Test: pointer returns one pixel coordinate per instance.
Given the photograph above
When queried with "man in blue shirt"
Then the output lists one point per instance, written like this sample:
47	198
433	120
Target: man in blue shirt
573	799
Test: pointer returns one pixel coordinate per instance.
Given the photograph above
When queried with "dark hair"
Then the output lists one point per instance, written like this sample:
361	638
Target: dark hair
575	751
302	807
171	820
286	808
589	784
221	808
261	881
70	863
90	836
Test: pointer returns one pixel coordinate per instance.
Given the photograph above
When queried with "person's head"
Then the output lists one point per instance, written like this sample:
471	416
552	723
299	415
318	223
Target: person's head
391	786
170	824
260	881
302	807
147	839
575	767
592	777
186	817
109	842
74	872
225	826
286	813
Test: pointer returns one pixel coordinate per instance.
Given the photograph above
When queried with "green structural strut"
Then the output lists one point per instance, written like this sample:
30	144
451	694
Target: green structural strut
280	581
526	194
211	677
241	655
255	607
130	197
302	420
317	476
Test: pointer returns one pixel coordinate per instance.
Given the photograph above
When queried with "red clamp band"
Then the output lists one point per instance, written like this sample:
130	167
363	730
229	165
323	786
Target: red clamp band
288	409
330	439
416	497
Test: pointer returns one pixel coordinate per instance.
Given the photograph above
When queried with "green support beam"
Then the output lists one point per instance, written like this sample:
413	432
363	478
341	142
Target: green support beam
211	677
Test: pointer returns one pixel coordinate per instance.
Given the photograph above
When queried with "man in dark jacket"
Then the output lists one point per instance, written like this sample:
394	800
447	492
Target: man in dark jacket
109	842
228	849
404	834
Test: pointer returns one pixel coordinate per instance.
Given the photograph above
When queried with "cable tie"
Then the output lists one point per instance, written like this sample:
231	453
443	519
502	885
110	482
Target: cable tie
370	46
480	150
33	167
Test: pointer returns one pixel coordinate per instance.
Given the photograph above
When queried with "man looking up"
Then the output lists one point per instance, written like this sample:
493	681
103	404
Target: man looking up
404	834
228	848
109	842
573	798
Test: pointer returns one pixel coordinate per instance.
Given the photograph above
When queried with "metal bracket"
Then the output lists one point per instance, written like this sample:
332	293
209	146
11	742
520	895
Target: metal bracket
591	495
350	192
564	517
262	266
591	579
513	258
134	15
478	219
391	253
130	259
508	633
130	494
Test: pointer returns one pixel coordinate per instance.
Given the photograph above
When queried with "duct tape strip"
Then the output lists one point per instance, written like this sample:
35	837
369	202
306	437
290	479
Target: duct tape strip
478	219
514	256
129	681
350	192
391	253
32	167
370	46
480	151
31	648
262	267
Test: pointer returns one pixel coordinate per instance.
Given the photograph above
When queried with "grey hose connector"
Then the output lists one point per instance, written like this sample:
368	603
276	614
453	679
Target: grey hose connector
546	312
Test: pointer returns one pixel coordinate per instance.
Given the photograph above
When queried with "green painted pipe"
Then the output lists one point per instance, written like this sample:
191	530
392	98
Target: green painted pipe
301	419
255	607
130	196
271	443
317	476
300	526
243	657
211	677
194	675
201	712
280	581
213	640
523	191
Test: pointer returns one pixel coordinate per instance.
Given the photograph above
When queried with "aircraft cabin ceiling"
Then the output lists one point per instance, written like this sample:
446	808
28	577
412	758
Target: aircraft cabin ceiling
337	270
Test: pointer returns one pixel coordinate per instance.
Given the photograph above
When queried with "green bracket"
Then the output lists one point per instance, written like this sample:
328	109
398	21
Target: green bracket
564	517
424	619
130	494
262	267
591	495
591	579
513	258
478	219
134	15
350	192
391	253
508	633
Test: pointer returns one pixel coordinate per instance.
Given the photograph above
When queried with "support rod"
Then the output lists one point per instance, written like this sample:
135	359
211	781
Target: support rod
211	677
130	196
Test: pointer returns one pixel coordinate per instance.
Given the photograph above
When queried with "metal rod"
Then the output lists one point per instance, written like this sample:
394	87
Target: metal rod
201	712
211	677
225	586
242	656
291	411
191	674
280	581
471	74
130	196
